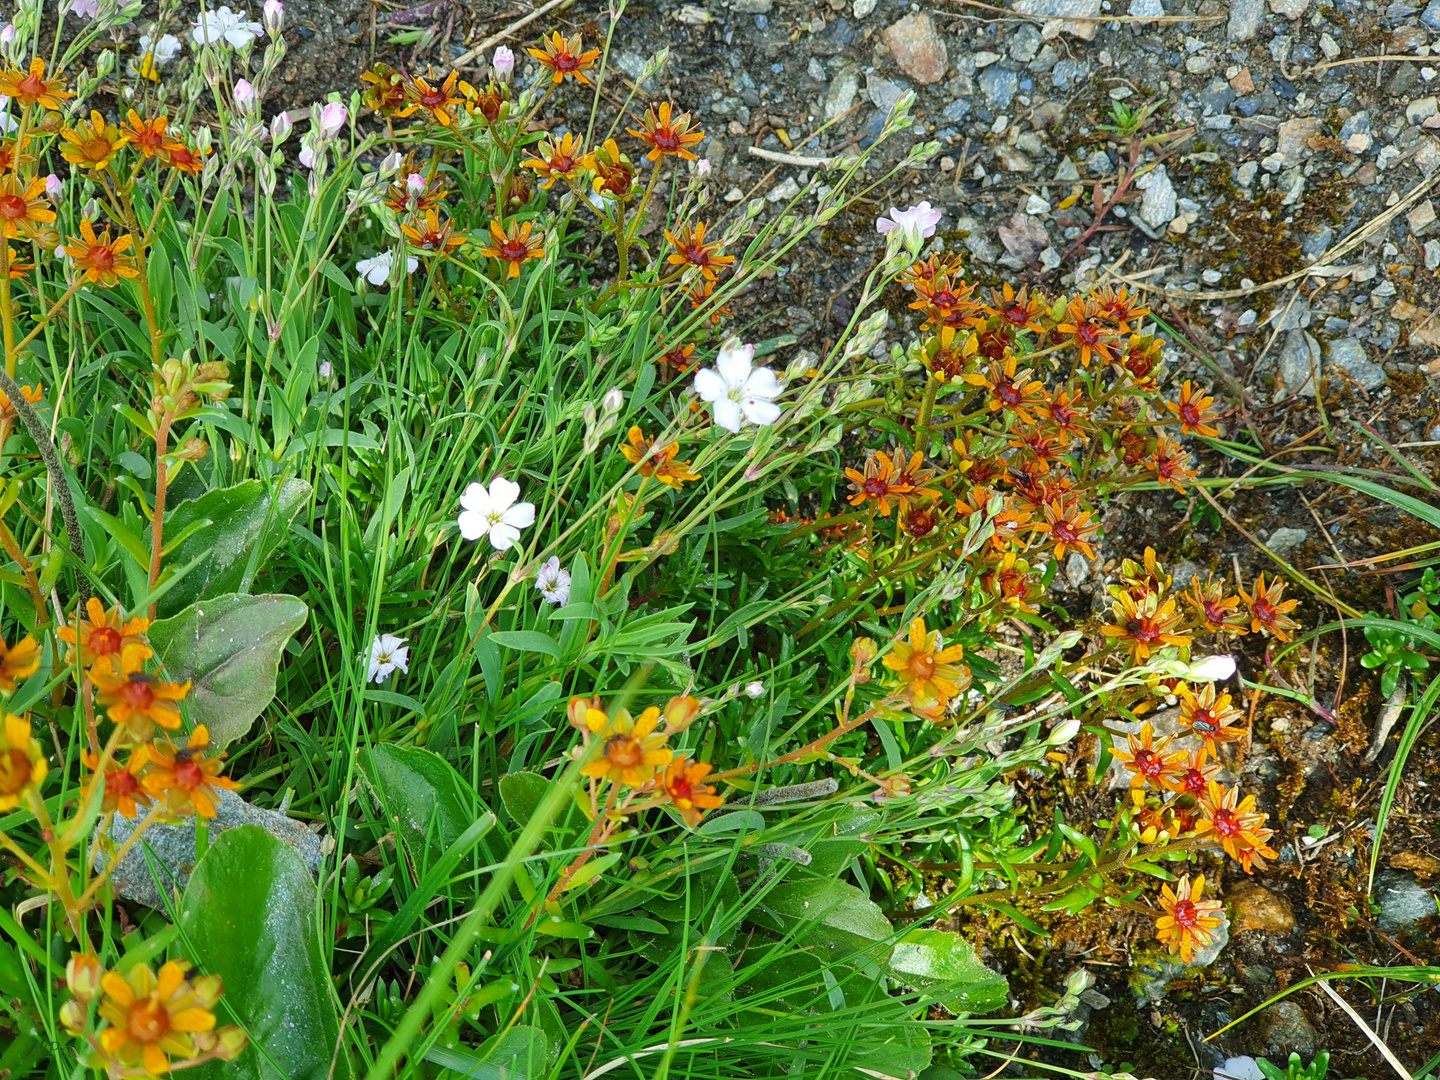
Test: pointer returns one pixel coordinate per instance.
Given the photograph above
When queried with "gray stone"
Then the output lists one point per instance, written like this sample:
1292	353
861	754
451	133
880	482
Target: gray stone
864	7
1359	124
1422	218
1100	163
883	92
1296	316
840	95
1316	243
1025	42
1157	209
976	240
1403	900
1290	9
1013	160
1077	569
957	110
1245	19
1292	139
1431	15
1146	9
1422	109
1217	96
1023	236
1152	979
1432	254
999	85
1067	172
1349	356
1073	17
753	7
1283	540
1245	174
173	847
1288	1031
1067	73
918	47
1298	362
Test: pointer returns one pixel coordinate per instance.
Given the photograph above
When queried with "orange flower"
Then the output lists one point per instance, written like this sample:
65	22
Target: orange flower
1217	609
928	669
692	250
678	357
1067	412
187	780
430	235
18	269
32	394
22	762
1170	464
1149	764
137	701
32	88
150	136
514	245
490	103
437	99
1142	356
123	789
1195	777
13	154
23	206
1146	624
1237	826
631	747
565	57
1210	718
879	481
105	640
948	361
699	297
913	478
183	159
1010	388
1190	411
1019	311
1143	578
681	782
1268	613
1068	522
658	462
1119	307
19	662
1088	332
614	174
92	144
558	159
98	258
1008	522
667	134
385	90
152	1020
1189	920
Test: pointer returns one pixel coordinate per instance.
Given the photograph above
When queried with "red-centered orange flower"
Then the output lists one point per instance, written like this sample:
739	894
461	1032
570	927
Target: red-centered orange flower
699	297
188	781
432	236
657	461
1190	411
99	259
18	269
1018	311
1145	625
1140	359
437	99
150	137
384	91
19	662
137	701
565	56
23	206
92	144
683	783
1039	447
1269	614
1148	764
106	640
614	172
880	481
489	103
945	297
1068	523
514	245
1067	412
1010	388
926	668
13	154
558	159
1010	581
1119	307
1210	717
1171	464
1194	780
631	748
668	133
948	358
914	476
152	1020
918	521
678	357
183	159
1189	919
1219	610
1236	826
123	789
32	88
1088	332
1143	578
8	414
22	762
692	250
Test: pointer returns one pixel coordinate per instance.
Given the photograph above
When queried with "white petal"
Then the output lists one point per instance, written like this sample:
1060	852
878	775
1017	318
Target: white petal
475	497
734	364
503	536
727	414
401	657
502	493
521	515
762	383
709	385
472	524
884	226
760	411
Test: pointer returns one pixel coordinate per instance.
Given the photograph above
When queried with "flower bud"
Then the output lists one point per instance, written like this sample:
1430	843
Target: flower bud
416	184
208	989
72	1017
82	975
1064	731
863	650
325	369
703	166
332	118
613	401
273	17
54	188
503	62
307	156
246	99
680	712
755	689
281	127
230	1042
391	164
192	449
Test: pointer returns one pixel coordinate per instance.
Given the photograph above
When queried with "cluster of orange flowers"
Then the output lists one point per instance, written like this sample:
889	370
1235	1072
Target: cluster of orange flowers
110	652
632	754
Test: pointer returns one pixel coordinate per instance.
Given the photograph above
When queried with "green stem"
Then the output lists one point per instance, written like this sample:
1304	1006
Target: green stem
922	421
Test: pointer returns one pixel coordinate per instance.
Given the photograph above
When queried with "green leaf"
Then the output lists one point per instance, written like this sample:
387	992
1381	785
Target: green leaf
521	793
229	646
522	1053
827	913
241	519
425	798
248	915
947	966
527	641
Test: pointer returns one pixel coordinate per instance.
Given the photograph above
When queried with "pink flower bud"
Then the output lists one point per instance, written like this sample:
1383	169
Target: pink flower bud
325	369
280	128
7	35
415	184
54	188
703	166
245	96
273	17
332	118
503	62
307	156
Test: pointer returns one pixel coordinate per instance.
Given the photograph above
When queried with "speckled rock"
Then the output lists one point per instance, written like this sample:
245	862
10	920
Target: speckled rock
918	47
1254	907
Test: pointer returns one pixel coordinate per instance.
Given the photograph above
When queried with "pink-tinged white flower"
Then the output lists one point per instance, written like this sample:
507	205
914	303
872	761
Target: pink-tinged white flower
388	654
54	188
307	156
755	689
85	9
280	128
553	581
7	34
503	62
1211	669
416	184
225	26
245	96
494	512
703	166
738	391
273	16
390	165
325	369
915	224
376	269
332	118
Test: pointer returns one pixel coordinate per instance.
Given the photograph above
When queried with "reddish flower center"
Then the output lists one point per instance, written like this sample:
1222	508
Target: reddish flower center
1148	763
101	257
1227	824
681	790
920	524
566	61
13	207
922	665
666	138
105	641
96	149
1009	393
1015	315
1204	721
31	86
1064	530
149	1021
1214	613
623	752
1194	782
1189	414
121	782
1186	916
434	98
876	487
697	255
14	771
514	251
188	773
1143	630
137	694
1264	610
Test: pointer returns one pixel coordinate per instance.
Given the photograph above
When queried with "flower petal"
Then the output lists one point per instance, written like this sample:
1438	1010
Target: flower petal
727	414
475	497
709	385
503	494
472	524
734	364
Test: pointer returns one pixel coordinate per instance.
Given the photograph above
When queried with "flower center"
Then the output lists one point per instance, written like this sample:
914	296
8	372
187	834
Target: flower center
514	251
566	62
137	694
121	782
432	99
101	257
1148	762
149	1021
188	774
1143	630
13	207
665	138
105	641
1226	823
1186	915
1195	782
1009	393
922	665
1065	531
97	149
1263	610
680	792
14	771
624	752
1015	315
876	487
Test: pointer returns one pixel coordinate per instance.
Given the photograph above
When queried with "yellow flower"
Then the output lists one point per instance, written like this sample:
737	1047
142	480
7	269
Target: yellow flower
22	762
657	461
18	663
92	144
1188	920
106	641
927	669
152	1020
187	781
631	747
139	701
99	259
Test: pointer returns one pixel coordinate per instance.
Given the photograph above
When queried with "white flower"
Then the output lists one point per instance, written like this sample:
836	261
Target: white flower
390	165
307	156
228	26
737	390
86	9
387	654
916	224
703	166
553	582
376	269
245	96
162	51
495	512
1239	1068
503	62
332	118
1212	669
755	689
325	369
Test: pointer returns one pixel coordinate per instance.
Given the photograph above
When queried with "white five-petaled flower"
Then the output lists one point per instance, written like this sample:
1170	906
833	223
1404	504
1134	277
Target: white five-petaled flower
916	224
163	50
388	653
376	269
231	27
553	581
1212	669
736	390
494	512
